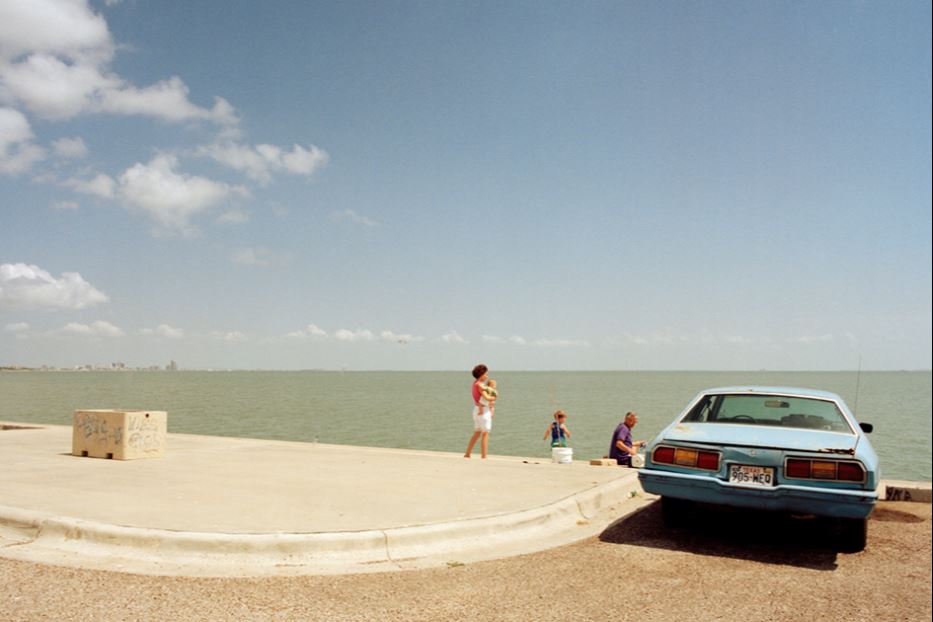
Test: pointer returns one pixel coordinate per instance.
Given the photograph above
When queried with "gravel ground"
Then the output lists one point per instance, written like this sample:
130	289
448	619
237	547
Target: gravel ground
636	570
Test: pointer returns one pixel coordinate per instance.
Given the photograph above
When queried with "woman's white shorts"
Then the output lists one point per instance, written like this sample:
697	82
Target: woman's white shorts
482	423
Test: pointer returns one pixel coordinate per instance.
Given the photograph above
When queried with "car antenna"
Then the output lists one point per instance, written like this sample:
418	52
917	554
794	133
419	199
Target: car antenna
858	380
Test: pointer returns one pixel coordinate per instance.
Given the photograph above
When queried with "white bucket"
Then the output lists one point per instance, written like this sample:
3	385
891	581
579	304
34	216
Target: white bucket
562	455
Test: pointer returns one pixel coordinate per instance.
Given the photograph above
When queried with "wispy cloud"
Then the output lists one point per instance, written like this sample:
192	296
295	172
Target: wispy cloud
259	163
561	343
254	256
233	336
70	148
311	331
360	334
165	331
99	328
452	338
514	340
812	339
352	216
233	217
99	185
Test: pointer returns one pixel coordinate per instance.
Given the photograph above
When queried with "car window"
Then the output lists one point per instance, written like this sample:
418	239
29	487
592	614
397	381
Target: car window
770	410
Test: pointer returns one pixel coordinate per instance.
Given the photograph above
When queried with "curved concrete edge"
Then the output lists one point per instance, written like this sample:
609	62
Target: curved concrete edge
898	490
35	536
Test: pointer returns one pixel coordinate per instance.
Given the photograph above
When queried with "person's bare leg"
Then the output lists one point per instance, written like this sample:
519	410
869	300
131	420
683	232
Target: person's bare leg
472	443
484	444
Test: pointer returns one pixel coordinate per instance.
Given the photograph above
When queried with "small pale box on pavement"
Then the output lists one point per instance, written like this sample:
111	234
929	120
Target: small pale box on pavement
119	434
604	462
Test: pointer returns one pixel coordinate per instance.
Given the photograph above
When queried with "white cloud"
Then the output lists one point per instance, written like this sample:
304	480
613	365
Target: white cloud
70	148
360	334
99	328
353	216
55	60
53	88
654	339
100	185
67	27
165	331
169	198
301	160
17	327
233	336
311	331
66	205
453	337
17	153
30	287
514	340
233	217
258	256
260	162
21	160
561	343
14	128
166	100
812	339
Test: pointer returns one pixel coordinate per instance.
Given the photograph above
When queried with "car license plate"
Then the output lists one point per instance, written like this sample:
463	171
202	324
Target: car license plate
751	475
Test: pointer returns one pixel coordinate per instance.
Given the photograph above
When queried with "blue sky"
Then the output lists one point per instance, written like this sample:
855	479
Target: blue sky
416	185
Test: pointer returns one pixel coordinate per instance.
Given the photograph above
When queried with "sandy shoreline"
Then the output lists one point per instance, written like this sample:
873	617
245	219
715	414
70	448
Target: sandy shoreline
636	570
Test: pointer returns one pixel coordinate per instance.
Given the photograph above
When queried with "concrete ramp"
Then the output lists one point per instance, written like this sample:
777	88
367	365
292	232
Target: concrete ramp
215	506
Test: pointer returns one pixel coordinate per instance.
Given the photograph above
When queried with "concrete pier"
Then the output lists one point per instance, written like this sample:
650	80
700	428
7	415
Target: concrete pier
215	506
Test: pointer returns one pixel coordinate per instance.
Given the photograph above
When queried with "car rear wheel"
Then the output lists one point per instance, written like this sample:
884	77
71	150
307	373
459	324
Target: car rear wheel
674	511
852	533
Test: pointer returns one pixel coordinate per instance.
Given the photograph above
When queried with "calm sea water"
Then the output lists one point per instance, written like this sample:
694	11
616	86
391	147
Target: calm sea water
431	410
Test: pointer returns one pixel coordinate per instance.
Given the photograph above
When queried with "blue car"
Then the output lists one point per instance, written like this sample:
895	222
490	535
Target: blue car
797	451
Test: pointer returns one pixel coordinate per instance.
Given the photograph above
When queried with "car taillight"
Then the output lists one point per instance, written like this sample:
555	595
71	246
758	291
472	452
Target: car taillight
685	457
708	460
664	455
822	470
799	469
851	472
830	470
690	458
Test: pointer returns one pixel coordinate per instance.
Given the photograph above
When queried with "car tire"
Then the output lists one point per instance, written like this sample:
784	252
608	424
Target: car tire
852	534
674	511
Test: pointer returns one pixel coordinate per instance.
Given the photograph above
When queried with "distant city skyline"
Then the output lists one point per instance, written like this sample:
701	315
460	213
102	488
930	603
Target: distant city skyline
410	186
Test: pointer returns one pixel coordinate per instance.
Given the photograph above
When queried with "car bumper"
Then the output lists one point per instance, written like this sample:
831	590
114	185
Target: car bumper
782	498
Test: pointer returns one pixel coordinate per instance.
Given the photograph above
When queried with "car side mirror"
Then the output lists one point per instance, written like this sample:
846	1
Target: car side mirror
866	427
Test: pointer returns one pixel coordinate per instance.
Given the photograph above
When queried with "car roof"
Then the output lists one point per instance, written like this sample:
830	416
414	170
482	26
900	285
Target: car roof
752	390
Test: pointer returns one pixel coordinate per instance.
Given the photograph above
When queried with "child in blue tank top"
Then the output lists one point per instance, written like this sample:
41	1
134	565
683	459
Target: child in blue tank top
558	430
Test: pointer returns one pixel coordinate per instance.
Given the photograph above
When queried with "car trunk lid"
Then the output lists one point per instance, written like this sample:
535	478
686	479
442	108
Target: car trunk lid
749	435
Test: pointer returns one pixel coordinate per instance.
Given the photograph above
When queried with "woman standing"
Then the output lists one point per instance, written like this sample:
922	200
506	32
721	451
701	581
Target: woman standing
482	416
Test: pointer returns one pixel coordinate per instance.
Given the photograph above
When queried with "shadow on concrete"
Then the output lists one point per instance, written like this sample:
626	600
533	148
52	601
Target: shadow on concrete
764	537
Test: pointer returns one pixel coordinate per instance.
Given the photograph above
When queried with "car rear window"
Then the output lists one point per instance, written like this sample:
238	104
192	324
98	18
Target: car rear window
770	410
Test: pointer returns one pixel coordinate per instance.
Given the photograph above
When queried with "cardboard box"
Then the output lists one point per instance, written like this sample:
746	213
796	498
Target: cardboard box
119	434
